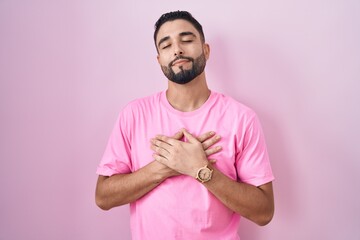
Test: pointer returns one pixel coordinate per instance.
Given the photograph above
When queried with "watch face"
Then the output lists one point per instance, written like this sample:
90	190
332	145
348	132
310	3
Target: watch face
204	174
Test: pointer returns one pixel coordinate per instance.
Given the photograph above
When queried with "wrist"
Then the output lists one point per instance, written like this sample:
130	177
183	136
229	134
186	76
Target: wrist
197	166
159	172
204	174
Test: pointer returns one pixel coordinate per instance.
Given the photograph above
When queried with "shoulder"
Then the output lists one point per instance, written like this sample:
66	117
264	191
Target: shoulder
139	108
148	103
233	107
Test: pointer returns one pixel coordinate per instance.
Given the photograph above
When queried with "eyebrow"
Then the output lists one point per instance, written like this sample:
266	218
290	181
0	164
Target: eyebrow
182	34
163	40
187	34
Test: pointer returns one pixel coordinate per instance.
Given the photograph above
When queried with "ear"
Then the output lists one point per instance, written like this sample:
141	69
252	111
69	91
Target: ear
206	49
158	58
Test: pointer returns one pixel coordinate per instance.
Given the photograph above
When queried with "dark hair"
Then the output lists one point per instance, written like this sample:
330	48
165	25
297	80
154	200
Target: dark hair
171	16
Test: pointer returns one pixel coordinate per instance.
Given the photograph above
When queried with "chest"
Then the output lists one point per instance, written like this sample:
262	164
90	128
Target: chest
147	127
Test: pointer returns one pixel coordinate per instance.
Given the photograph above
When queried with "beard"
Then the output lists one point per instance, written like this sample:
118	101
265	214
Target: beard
185	76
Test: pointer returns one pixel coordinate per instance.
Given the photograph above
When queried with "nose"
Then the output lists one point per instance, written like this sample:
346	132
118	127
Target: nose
178	50
178	53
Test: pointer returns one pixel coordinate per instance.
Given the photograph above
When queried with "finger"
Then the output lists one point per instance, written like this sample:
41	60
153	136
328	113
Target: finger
160	159
165	139
160	151
161	144
213	161
211	141
211	151
190	137
178	135
205	136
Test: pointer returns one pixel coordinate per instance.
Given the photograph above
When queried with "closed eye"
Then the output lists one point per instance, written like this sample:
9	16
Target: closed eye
166	46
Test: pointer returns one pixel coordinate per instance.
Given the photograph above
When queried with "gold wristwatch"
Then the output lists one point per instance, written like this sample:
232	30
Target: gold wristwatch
204	174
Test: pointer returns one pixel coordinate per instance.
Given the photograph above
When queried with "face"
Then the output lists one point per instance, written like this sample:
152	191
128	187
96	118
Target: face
182	55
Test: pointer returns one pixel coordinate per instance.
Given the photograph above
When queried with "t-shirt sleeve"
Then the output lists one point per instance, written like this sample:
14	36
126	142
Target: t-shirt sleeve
252	160
117	156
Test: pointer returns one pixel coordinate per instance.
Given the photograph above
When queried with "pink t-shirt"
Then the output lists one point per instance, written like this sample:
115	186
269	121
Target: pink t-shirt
181	207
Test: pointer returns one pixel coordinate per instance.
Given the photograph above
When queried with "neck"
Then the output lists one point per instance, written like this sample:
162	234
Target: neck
190	96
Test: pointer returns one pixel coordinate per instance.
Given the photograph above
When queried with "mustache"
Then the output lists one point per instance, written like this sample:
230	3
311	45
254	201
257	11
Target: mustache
181	57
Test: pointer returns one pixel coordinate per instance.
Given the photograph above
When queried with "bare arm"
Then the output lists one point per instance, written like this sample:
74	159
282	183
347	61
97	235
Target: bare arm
254	203
121	189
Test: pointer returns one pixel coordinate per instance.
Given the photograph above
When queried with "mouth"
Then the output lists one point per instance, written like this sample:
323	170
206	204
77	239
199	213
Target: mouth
180	61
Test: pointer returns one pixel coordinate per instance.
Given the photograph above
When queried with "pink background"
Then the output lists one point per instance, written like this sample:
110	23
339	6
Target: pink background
68	67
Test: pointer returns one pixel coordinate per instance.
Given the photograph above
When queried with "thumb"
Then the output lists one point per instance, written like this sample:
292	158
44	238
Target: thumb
189	137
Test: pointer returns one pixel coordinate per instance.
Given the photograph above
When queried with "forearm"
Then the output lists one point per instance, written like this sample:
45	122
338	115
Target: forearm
253	203
121	189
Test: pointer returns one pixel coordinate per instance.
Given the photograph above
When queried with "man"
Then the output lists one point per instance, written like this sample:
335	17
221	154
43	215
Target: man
183	180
